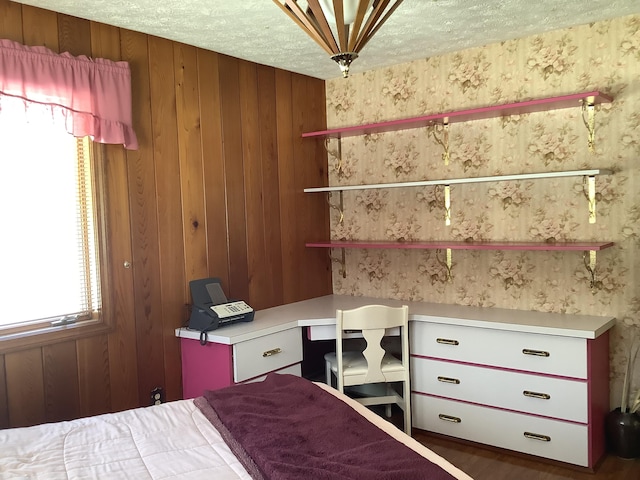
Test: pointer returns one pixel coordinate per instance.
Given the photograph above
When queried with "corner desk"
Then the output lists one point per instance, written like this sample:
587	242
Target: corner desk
532	382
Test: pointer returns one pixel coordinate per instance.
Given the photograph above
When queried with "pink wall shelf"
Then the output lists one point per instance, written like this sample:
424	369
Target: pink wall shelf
518	108
573	246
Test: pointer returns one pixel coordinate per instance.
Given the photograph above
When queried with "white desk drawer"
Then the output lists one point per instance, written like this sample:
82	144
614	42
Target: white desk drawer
540	395
291	370
555	355
266	354
557	440
328	332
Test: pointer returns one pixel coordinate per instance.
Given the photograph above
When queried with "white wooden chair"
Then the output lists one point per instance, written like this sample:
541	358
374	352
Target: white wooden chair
374	364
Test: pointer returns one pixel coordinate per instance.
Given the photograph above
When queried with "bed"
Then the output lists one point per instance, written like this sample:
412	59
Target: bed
282	428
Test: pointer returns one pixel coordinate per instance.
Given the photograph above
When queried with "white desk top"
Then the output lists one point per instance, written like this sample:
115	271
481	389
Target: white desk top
322	311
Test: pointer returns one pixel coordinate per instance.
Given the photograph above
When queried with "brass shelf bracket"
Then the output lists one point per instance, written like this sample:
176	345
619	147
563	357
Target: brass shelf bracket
342	261
446	189
590	265
444	141
339	207
447	205
337	154
589	120
446	263
589	189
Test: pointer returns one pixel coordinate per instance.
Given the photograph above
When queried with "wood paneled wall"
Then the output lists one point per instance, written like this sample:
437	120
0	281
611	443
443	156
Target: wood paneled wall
214	190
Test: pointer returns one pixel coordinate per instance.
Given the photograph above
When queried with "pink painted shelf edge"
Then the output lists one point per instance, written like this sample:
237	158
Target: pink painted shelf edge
562	246
517	108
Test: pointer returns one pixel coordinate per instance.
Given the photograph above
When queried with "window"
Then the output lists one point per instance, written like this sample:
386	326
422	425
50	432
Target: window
50	274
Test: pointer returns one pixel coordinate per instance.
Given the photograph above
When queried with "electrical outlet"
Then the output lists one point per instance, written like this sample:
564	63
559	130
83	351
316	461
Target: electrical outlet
157	396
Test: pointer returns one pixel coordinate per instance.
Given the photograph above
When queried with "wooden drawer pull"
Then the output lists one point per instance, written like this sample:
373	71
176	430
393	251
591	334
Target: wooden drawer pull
537	353
449	418
543	396
449	380
270	353
537	436
446	341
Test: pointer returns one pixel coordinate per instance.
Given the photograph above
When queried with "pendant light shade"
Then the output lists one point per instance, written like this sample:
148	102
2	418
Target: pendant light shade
341	27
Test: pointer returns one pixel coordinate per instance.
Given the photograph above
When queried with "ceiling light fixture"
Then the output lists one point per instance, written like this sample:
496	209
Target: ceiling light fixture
351	22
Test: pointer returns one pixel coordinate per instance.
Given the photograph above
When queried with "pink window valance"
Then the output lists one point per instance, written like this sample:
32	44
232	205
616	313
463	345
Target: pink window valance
89	96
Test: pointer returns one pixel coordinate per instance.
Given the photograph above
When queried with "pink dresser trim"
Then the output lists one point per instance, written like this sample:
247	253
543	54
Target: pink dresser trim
205	367
598	391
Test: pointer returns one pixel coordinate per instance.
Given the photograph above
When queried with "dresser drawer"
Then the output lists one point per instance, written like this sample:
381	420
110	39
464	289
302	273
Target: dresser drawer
554	439
524	392
266	354
555	355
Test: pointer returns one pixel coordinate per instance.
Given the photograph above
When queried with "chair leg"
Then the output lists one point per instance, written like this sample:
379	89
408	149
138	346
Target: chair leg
407	409
387	410
327	372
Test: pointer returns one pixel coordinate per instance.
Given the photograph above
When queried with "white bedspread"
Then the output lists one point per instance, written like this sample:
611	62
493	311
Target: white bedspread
169	441
172	440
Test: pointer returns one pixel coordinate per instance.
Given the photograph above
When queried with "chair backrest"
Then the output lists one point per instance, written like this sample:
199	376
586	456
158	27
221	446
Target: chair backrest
373	321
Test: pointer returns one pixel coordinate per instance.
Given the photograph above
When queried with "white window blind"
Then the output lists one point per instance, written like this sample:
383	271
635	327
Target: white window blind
49	267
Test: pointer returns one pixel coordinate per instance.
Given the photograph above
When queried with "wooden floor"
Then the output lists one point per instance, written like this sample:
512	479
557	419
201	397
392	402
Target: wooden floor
487	464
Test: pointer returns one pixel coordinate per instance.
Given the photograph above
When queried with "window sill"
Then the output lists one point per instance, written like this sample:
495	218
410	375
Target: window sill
49	335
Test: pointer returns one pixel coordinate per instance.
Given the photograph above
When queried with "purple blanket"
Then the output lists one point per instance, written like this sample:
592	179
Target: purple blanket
287	428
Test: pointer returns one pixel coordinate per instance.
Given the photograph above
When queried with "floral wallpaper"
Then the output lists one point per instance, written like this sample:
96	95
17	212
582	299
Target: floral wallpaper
602	56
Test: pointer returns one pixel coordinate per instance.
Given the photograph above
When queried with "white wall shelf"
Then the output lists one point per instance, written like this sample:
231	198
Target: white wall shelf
453	181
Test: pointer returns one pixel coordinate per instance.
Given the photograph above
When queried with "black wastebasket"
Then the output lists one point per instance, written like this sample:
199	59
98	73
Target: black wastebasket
623	433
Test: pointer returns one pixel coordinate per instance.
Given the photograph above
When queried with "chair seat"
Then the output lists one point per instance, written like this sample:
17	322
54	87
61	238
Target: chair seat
354	363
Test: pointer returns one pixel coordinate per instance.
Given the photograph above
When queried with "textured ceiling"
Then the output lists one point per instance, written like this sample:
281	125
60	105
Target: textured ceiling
257	30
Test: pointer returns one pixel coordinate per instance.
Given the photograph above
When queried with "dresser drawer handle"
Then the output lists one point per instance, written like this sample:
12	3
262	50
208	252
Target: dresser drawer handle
543	396
449	418
537	436
537	353
270	353
446	341
449	380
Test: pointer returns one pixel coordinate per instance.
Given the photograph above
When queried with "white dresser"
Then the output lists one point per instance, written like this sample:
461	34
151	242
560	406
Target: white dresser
538	387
